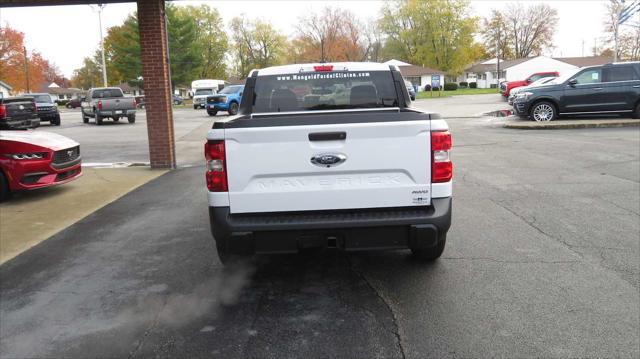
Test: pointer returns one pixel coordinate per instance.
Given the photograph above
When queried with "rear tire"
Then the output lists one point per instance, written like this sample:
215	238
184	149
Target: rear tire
98	120
433	253
195	107
4	188
233	109
212	113
116	119
131	118
85	119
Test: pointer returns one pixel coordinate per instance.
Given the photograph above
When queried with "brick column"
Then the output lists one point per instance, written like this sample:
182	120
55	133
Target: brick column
157	84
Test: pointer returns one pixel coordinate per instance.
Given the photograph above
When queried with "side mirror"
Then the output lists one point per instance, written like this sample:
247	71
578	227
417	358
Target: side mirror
528	81
240	93
573	82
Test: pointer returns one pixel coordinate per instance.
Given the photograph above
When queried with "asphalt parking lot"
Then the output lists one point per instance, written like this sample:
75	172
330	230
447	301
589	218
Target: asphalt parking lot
541	261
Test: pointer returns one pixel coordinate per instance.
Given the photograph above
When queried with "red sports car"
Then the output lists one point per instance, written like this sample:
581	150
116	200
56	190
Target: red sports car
30	160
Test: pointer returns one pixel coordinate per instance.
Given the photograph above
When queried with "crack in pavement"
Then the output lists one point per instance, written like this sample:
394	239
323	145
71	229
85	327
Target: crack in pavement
571	247
532	225
394	318
508	261
151	327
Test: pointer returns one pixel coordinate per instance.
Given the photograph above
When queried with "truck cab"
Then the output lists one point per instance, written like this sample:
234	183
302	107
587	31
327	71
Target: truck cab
328	156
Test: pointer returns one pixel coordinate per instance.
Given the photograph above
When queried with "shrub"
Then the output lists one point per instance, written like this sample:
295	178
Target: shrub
62	102
464	84
473	85
450	86
427	87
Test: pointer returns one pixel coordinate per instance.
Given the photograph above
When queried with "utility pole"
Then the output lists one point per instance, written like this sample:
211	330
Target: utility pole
615	30
104	62
498	60
26	68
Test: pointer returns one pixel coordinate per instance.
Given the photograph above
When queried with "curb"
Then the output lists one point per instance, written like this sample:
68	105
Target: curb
559	125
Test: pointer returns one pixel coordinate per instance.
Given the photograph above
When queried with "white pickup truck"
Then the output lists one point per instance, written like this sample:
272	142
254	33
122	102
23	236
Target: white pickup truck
355	168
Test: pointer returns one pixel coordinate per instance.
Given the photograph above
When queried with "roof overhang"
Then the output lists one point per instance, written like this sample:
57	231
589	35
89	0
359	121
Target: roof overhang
24	3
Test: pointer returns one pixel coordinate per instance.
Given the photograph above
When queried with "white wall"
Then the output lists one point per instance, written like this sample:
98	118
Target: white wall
4	91
537	64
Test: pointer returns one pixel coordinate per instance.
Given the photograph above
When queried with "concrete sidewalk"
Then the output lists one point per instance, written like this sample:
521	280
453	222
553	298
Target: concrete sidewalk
30	217
568	124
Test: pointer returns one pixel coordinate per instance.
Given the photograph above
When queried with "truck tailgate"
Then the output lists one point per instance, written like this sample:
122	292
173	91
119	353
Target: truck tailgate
381	164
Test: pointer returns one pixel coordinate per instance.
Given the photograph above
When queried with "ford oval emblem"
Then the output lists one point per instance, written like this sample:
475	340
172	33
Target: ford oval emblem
328	159
21	107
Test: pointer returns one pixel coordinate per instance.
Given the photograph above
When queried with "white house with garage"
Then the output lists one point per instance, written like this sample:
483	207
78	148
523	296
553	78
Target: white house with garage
484	73
419	76
5	89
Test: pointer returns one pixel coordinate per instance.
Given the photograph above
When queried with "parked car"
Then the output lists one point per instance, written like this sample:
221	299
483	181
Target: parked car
228	99
411	90
18	113
506	86
31	160
611	88
329	174
140	101
517	90
108	102
177	100
74	103
47	109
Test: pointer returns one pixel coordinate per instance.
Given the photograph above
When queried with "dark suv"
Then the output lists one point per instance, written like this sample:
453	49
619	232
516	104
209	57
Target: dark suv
611	88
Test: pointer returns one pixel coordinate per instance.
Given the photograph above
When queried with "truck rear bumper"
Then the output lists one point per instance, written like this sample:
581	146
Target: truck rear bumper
364	229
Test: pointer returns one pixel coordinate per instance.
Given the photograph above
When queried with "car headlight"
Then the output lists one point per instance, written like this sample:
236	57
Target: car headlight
28	156
524	95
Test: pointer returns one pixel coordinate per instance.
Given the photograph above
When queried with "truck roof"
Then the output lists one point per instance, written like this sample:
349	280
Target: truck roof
346	66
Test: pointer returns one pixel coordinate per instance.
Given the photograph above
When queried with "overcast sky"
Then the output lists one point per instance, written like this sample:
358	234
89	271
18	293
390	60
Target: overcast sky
66	34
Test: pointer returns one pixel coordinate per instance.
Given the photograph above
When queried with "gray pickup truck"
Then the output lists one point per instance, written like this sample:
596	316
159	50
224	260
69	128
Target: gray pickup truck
108	102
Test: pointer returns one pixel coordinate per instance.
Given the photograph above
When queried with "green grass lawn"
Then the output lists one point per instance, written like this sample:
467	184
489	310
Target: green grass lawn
458	92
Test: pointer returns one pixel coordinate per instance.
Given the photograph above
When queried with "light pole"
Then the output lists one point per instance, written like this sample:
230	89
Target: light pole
26	68
104	63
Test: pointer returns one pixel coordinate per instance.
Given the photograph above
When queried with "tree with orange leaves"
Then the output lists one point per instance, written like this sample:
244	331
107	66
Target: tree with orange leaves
334	34
12	63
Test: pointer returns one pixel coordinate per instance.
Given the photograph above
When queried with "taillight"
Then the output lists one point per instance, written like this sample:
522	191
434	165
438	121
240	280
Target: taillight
323	68
3	111
441	167
216	167
99	105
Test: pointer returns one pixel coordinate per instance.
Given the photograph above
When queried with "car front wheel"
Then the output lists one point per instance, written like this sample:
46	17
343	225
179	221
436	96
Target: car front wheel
543	112
233	109
131	118
56	121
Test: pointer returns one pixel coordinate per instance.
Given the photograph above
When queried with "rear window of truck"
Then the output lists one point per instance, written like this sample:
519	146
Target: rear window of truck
107	93
309	91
